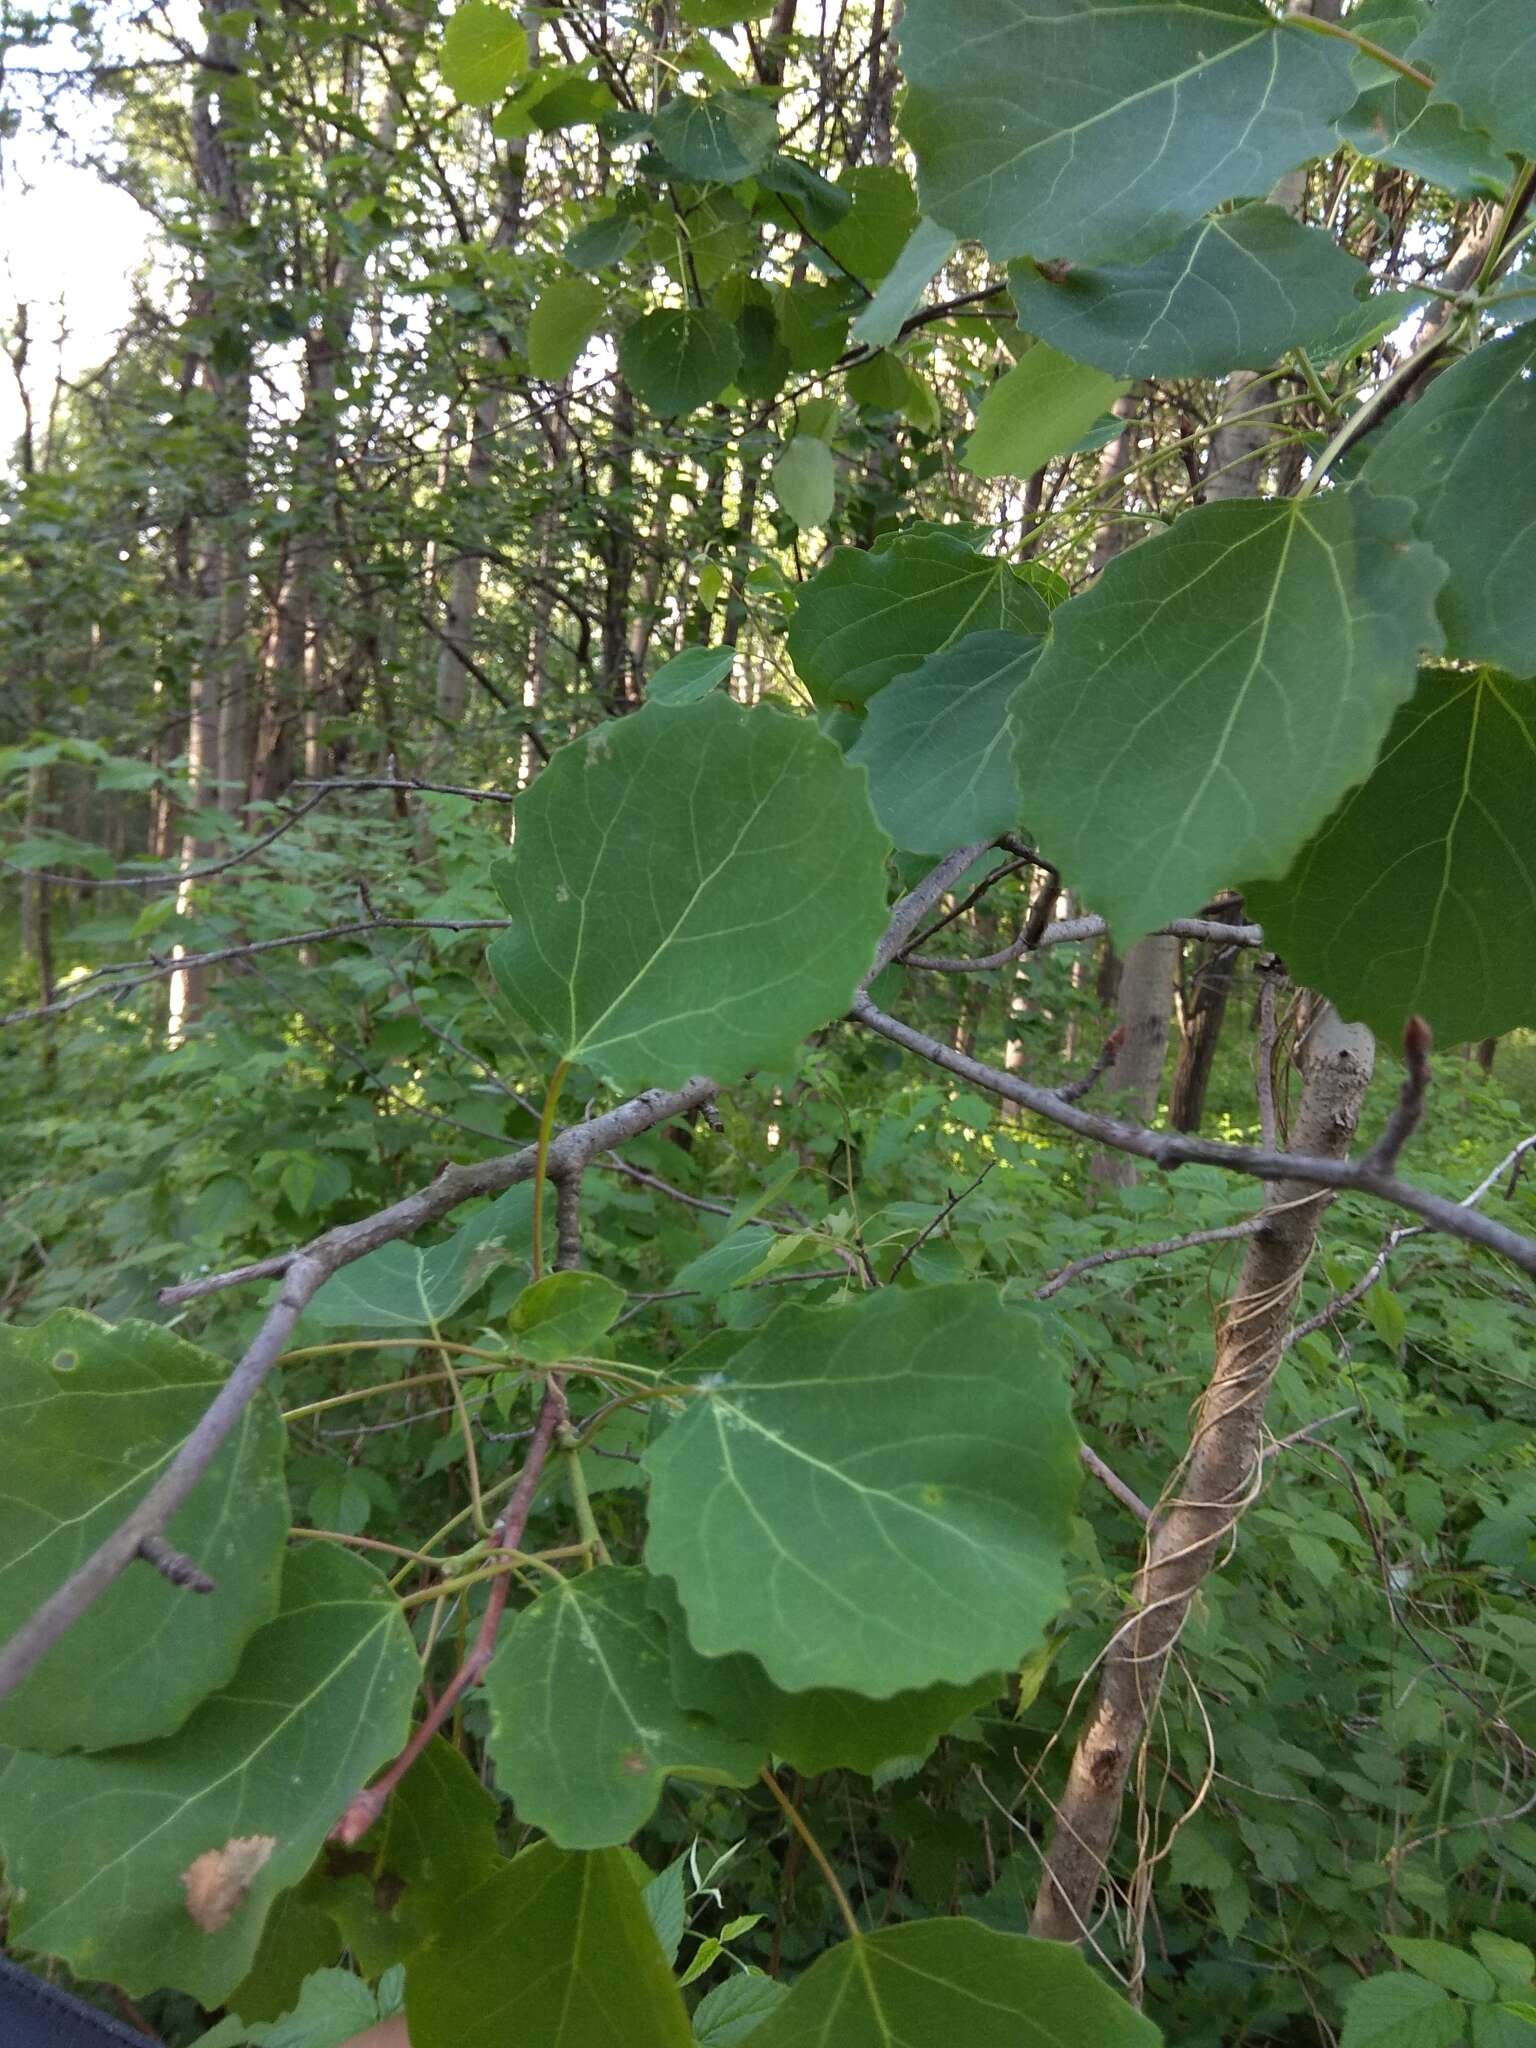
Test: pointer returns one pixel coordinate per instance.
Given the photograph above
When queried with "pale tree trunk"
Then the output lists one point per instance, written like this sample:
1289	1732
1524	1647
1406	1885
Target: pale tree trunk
1219	1478
1201	1017
1134	1078
458	638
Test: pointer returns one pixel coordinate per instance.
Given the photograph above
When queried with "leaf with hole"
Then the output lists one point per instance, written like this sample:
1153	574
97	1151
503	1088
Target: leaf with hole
95	1846
589	1971
873	1498
585	1731
1181	733
1465	452
1099	133
953	1980
642	943
1419	893
870	614
90	1416
1234	293
940	744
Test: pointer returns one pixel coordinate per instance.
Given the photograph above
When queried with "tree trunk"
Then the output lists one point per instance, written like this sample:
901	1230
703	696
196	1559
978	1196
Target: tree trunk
1220	1476
1205	1008
1145	1011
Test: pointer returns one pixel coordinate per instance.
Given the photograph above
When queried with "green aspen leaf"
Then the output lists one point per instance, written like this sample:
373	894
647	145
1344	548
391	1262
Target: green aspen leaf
726	2016
1366	324
1234	293
815	202
879	224
940	744
1503	2026
1419	893
1036	410
871	614
718	140
641	942
1395	123
1099	133
679	358
437	1835
820	1730
692	674
953	1980
332	2008
1400	2011
96	1846
605	241
1466	453
740	1256
928	248
562	323
804	481
875	1497
299	1937
90	1416
1483	56
585	1731
485	48
589	1972
1451	1968
1200	710
563	1316
812	324
404	1287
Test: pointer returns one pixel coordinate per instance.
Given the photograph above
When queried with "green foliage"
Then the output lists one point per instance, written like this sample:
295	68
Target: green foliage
657	967
690	675
485	48
1100	134
862	1508
563	1315
679	359
1484	61
96	1846
1223	743
91	1416
1446	815
1236	292
1482	412
1041	407
914	1983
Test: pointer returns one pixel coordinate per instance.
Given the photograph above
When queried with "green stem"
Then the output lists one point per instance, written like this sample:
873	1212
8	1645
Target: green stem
1367	49
541	1166
1381	401
586	1522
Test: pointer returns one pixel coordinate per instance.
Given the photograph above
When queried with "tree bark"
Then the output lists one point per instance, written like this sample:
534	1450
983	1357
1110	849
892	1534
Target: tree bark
1145	1012
1220	1476
1205	1009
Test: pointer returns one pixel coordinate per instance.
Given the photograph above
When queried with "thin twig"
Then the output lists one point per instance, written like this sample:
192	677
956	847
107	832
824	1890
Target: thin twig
941	1218
1111	1481
1224	1234
1404	1120
176	1566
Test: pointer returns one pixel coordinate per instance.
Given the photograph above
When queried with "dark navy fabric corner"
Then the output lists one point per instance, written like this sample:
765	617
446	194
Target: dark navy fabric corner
36	2015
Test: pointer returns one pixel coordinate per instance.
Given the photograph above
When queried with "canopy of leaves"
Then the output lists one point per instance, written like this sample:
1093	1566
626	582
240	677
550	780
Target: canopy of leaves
588	1970
642	943
1175	739
1235	292
96	1846
1036	410
939	744
1477	420
1419	894
585	1730
1097	133
872	1545
869	615
938	1979
90	1416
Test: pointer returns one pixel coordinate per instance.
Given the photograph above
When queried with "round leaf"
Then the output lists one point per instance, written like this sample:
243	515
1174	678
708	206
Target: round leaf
805	481
1183	730
485	48
96	1846
563	1316
953	1980
1419	894
90	1416
1039	409
585	1730
718	140
1235	292
643	943
679	359
873	1498
1483	55
1101	133
939	744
